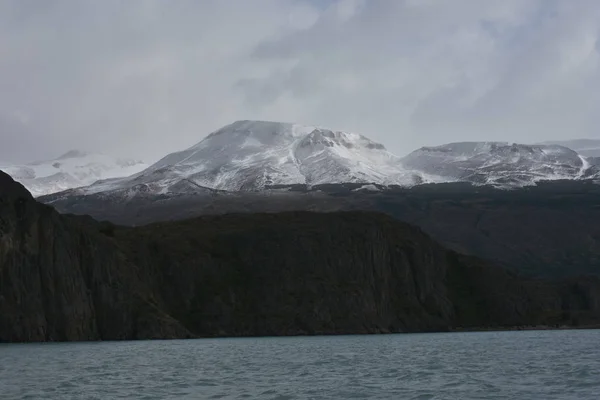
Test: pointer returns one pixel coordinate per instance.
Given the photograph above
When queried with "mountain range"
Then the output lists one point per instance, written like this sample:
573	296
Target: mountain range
262	155
256	155
545	225
266	228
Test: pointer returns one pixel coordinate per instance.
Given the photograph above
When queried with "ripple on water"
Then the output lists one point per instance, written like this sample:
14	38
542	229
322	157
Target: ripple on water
492	365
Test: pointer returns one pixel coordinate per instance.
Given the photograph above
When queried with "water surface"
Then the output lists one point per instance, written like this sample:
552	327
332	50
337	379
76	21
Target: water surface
489	365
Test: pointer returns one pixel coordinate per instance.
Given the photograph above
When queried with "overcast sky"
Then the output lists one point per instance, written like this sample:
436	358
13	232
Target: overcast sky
144	78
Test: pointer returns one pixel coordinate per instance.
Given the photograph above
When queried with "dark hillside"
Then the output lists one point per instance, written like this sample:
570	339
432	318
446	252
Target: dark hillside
71	278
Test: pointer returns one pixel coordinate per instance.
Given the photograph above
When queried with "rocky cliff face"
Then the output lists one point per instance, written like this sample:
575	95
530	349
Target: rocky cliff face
61	280
71	278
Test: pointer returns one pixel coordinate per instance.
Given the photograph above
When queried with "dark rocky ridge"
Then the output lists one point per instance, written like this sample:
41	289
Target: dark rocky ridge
72	278
548	230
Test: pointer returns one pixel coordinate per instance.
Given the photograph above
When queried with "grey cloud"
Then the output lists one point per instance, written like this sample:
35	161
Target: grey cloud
434	71
128	77
144	77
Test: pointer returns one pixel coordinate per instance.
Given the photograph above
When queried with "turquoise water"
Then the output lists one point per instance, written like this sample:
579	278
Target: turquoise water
490	365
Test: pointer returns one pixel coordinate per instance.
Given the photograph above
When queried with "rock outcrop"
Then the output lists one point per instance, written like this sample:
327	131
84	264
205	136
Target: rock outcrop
66	278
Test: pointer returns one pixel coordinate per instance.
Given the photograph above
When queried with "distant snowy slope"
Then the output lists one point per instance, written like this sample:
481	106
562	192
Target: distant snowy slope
500	164
251	155
72	169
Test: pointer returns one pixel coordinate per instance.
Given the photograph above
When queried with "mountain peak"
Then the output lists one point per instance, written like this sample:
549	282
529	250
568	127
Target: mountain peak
261	130
258	122
254	154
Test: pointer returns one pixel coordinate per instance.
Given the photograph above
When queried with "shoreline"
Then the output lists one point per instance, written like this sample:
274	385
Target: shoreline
300	335
527	328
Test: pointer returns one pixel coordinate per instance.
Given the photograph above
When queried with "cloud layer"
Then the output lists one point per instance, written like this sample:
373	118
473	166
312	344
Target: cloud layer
145	77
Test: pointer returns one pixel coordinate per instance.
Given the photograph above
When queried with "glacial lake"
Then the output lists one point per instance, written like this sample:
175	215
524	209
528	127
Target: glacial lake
475	365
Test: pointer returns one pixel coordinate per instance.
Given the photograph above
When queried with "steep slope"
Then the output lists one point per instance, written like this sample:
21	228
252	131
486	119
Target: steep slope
500	164
72	169
68	278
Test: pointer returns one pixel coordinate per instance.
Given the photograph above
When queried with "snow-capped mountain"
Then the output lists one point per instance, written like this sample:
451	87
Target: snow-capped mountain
71	170
252	155
258	155
500	164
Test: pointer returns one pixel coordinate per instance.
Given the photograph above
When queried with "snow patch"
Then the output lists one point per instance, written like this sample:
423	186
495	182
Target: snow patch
72	169
371	188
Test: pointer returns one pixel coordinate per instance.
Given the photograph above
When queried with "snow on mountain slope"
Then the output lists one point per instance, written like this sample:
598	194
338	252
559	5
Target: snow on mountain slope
251	155
500	164
254	155
585	147
72	169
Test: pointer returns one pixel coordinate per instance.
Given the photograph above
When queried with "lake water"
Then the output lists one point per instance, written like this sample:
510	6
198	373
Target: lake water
491	365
